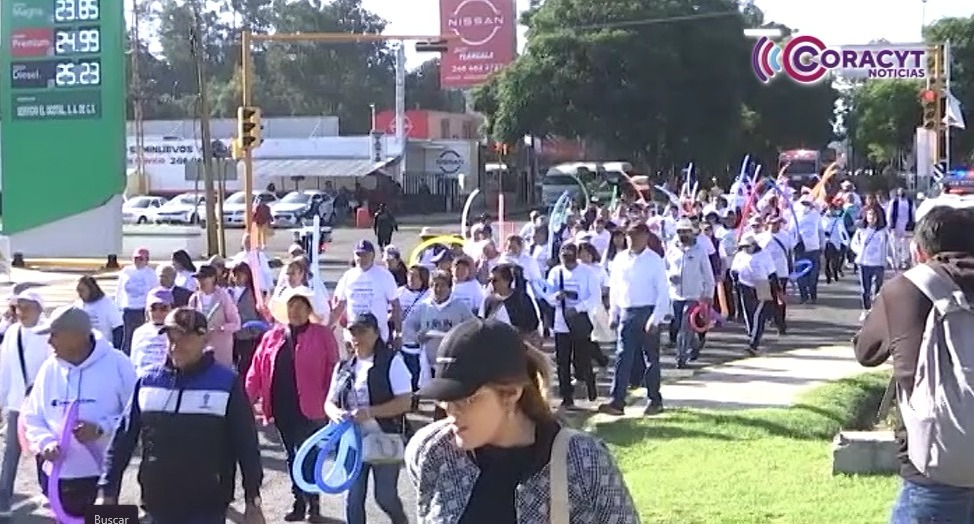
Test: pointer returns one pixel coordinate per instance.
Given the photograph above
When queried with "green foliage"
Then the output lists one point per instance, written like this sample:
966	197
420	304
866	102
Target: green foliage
290	79
960	33
655	93
757	466
886	115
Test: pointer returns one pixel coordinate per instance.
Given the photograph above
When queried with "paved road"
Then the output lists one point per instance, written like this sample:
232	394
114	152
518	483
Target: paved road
830	322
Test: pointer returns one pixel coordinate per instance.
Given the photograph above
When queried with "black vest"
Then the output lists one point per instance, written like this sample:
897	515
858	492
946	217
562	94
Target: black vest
380	389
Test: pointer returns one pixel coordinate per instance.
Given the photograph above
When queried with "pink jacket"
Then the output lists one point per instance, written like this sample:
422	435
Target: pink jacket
315	358
224	322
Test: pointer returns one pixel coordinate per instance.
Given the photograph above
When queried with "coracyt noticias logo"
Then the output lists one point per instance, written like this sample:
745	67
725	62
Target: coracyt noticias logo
806	60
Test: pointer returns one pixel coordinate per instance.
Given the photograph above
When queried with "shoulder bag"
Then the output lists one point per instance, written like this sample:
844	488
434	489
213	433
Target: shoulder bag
560	504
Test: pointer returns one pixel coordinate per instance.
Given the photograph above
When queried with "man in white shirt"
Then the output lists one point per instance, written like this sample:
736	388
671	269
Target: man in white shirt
778	244
134	283
811	237
691	281
639	303
369	288
900	217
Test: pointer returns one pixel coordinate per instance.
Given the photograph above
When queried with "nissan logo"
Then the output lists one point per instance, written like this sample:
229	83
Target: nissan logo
449	162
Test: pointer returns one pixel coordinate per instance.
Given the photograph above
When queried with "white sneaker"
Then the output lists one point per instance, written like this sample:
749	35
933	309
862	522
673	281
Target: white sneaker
862	316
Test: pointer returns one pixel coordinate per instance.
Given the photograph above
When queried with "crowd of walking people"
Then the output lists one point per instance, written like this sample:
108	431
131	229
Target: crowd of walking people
186	360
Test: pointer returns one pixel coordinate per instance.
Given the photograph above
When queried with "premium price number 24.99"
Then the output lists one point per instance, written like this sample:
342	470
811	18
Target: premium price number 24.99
77	41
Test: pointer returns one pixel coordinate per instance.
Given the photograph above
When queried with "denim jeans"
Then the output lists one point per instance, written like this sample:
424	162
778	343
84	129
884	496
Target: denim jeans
870	280
634	343
933	504
385	489
11	459
686	339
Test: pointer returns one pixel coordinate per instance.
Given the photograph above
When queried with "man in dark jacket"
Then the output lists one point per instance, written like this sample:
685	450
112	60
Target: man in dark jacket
894	329
196	425
167	279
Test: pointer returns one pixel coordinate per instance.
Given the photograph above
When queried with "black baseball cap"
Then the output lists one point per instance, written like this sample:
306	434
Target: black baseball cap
187	320
473	354
366	320
206	271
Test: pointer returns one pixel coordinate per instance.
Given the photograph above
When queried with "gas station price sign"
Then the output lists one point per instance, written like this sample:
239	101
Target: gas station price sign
62	86
55	49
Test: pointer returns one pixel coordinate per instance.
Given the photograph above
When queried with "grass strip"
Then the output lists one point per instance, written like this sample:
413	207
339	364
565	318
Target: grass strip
753	466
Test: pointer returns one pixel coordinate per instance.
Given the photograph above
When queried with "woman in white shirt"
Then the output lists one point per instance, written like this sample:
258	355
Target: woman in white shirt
21	355
871	245
106	318
185	269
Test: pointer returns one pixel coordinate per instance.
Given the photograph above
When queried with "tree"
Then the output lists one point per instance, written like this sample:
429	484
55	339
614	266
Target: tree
647	91
882	118
423	90
960	33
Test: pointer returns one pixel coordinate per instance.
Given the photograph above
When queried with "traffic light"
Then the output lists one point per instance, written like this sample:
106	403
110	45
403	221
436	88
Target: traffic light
432	46
249	127
501	148
930	102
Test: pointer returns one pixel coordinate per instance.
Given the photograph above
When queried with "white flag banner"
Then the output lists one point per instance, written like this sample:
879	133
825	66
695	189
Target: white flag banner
954	116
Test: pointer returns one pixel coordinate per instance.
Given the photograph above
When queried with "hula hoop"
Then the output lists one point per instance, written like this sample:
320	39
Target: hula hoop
444	240
324	440
54	479
256	324
465	217
701	311
349	443
802	268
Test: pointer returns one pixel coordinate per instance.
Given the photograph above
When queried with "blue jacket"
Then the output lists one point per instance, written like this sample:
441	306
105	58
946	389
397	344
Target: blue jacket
195	424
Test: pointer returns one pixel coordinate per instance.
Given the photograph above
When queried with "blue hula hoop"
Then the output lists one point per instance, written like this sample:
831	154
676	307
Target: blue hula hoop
349	445
324	441
802	268
256	324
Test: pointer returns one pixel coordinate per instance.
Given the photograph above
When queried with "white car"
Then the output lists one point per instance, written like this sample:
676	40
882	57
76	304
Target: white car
180	210
235	206
141	209
286	210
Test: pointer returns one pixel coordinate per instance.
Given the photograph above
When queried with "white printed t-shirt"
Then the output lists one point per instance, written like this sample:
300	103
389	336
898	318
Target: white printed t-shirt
368	291
400	379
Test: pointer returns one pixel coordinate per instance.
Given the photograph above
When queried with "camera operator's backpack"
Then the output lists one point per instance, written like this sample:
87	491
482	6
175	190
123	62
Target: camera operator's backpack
939	413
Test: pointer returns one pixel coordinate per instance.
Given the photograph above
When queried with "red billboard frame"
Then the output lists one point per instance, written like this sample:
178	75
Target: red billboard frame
486	40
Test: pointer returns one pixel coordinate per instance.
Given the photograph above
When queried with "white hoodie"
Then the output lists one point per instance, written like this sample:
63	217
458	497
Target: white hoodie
103	384
36	351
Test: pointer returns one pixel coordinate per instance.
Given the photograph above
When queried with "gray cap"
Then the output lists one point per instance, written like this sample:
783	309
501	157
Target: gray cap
66	318
685	224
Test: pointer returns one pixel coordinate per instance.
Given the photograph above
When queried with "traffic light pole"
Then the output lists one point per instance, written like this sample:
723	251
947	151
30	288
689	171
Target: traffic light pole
433	43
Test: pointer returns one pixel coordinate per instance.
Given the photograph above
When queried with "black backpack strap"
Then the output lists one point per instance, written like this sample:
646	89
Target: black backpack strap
23	361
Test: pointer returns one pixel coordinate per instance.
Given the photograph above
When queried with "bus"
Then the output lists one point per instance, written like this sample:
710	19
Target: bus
804	166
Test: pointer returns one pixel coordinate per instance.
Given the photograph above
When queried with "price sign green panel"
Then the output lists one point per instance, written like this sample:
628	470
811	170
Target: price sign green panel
62	108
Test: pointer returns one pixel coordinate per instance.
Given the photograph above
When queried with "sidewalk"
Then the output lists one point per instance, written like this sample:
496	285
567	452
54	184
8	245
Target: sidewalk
774	380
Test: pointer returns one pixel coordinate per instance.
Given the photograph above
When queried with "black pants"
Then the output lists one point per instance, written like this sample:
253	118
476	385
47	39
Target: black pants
243	354
733	312
202	518
131	320
755	314
293	434
780	311
76	494
833	262
572	352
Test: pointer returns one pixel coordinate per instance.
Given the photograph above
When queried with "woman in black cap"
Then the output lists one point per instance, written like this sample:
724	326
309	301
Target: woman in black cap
500	430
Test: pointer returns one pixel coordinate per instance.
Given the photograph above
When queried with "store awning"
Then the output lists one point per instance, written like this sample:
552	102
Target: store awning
315	167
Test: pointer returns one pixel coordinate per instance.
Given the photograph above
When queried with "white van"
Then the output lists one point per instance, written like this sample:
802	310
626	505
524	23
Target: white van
571	176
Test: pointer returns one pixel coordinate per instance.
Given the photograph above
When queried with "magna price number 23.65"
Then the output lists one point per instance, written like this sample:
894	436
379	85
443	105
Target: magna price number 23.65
76	11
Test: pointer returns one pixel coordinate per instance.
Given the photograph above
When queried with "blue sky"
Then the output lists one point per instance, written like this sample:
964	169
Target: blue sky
837	22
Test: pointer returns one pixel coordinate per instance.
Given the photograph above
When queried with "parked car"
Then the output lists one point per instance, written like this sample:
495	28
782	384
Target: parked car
180	210
287	210
141	209
235	206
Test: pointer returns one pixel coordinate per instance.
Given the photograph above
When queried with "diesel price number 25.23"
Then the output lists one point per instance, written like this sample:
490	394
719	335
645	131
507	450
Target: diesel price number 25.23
77	74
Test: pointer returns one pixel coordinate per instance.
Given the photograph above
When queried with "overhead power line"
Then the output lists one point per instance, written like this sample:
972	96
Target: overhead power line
652	21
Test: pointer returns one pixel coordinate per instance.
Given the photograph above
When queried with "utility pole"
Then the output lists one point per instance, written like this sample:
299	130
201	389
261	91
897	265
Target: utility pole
138	96
196	34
